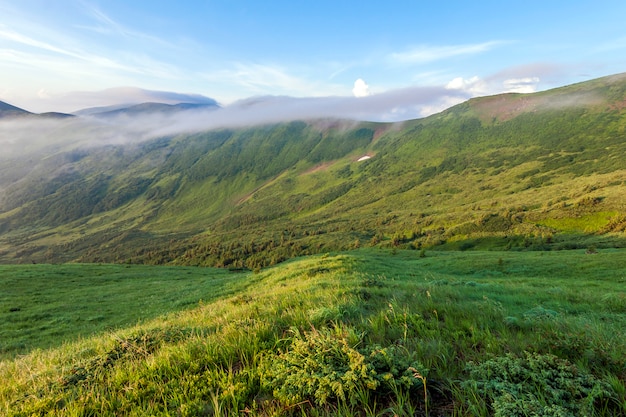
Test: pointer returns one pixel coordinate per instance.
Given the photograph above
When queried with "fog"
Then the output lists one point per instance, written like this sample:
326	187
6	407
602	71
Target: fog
21	136
24	135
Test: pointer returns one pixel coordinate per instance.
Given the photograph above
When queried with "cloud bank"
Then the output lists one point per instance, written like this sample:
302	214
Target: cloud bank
20	136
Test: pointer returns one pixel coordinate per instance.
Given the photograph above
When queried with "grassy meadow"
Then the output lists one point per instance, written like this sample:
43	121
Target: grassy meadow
42	306
369	332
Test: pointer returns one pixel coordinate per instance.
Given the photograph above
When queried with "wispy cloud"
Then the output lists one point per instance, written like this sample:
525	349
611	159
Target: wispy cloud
390	106
476	86
267	79
106	25
429	53
59	60
613	45
55	55
18	38
34	48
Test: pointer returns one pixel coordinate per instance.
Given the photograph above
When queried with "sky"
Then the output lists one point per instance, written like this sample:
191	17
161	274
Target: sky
403	59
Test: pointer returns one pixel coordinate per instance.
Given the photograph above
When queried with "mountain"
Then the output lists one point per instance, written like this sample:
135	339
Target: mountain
9	111
535	171
148	108
101	109
56	115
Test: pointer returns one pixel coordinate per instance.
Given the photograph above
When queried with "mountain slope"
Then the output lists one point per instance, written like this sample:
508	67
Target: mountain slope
149	108
7	110
541	171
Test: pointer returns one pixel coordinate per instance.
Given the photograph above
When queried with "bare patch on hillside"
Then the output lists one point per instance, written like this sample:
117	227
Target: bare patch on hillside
317	168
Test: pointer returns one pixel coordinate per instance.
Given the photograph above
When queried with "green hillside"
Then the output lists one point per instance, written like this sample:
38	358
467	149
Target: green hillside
363	333
539	171
467	264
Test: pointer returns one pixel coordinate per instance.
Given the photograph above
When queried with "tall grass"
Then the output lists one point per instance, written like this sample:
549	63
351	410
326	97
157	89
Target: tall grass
367	333
42	305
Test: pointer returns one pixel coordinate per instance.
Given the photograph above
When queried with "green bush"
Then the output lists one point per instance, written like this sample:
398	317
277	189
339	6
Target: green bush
537	385
318	366
394	367
324	366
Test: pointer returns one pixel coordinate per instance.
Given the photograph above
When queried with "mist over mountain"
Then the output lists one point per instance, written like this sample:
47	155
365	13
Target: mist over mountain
251	184
144	108
133	122
152	108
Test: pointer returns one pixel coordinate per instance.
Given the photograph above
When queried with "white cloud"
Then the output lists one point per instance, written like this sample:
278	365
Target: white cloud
393	105
473	86
361	89
43	94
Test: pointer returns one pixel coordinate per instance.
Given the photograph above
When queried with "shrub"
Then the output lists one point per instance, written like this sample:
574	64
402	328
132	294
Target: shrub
537	385
395	368
318	367
324	366
539	314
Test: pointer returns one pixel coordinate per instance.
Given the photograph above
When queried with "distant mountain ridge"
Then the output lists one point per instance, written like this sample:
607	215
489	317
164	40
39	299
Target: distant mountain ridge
147	108
129	110
116	99
10	111
515	171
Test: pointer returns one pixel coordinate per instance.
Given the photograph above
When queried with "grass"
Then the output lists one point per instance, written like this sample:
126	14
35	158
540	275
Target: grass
44	305
364	333
589	223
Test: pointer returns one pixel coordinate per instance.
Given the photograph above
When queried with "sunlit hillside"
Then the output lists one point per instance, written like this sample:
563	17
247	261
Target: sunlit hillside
539	171
366	333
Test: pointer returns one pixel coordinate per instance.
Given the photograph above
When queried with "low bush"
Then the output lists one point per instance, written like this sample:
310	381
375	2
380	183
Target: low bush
318	366
324	366
537	385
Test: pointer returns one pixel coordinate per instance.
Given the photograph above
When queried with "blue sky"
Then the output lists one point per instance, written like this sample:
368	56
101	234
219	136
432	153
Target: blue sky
232	50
